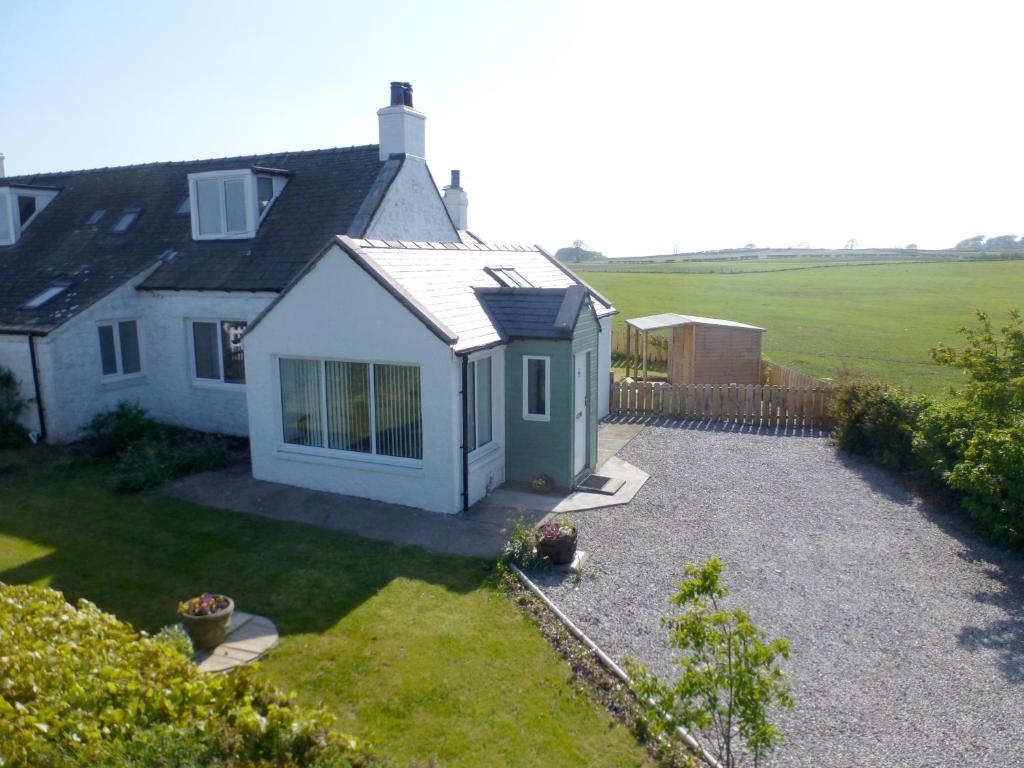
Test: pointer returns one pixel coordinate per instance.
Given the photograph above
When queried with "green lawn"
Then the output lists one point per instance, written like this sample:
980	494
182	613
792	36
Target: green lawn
879	319
413	651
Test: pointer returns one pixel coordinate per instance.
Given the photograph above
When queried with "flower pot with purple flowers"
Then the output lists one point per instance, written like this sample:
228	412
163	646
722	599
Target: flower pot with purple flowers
557	541
206	618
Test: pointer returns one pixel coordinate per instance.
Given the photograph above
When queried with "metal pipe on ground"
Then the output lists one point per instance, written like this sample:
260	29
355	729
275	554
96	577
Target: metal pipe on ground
691	743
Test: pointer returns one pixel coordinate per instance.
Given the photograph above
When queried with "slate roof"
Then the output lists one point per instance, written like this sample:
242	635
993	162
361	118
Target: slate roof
533	313
439	281
330	191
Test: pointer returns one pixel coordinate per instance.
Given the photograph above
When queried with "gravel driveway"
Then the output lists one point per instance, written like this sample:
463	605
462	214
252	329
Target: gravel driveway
906	634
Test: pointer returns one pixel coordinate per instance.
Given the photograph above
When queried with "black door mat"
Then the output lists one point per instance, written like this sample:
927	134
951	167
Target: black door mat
601	484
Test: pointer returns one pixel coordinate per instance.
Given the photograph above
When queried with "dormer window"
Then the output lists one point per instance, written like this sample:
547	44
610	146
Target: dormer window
228	205
18	207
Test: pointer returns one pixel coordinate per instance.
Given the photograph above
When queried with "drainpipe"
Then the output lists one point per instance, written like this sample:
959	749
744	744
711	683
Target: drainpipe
465	433
35	385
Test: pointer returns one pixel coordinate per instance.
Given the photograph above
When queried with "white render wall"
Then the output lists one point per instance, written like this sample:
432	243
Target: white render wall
604	367
15	356
338	311
412	209
69	362
174	395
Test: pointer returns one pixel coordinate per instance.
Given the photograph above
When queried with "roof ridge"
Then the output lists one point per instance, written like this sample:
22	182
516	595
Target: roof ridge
435	245
156	163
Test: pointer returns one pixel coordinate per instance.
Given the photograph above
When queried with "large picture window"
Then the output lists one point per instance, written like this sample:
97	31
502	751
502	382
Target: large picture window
119	349
478	405
536	388
217	350
366	408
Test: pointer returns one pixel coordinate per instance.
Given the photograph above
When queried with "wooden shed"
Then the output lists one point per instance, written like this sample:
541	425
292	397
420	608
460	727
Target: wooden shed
701	350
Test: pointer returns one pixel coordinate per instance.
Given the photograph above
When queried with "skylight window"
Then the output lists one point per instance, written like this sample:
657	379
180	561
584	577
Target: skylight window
508	277
124	223
50	293
96	216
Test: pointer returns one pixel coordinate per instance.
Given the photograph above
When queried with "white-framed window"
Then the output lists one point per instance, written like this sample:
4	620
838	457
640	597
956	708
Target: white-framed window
229	205
19	206
536	388
479	402
119	349
217	354
352	407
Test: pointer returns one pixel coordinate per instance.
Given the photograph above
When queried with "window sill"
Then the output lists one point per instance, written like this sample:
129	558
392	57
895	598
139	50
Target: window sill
123	382
369	464
224	386
486	452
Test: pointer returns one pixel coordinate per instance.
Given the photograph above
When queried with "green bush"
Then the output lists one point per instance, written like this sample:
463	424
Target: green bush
877	421
79	687
150	463
12	406
111	432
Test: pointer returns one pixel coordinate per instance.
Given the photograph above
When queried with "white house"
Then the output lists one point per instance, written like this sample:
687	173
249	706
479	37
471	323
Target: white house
141	283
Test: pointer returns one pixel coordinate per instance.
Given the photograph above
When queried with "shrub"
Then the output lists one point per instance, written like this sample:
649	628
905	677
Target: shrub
111	432
877	421
12	406
80	687
729	674
150	463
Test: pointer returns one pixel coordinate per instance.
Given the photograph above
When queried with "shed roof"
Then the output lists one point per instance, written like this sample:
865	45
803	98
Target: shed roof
671	319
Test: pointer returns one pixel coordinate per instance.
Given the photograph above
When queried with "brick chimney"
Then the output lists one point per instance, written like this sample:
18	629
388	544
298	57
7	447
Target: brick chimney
401	127
456	202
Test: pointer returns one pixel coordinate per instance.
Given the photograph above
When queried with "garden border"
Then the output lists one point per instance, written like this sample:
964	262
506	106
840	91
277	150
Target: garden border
691	743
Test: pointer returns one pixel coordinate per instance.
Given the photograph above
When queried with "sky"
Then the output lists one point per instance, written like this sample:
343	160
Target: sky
639	128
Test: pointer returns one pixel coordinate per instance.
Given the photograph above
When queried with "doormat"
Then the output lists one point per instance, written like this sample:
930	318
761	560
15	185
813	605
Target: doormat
601	484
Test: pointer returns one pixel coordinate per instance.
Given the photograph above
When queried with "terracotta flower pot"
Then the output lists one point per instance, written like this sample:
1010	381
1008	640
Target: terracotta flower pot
208	631
560	550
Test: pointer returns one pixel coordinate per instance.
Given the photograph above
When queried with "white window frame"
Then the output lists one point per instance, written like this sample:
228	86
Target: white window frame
527	416
196	379
253	217
489	445
116	326
9	209
334	453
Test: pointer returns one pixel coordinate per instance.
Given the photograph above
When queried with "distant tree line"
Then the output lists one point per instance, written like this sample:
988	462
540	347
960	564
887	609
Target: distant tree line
578	252
1001	243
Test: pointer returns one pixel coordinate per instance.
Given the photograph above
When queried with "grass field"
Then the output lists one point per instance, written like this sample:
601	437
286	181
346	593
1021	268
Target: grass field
416	652
877	319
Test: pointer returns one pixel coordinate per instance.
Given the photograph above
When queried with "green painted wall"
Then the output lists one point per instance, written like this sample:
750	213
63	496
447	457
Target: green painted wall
535	448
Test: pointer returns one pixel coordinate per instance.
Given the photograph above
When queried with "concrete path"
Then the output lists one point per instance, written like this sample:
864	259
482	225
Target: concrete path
248	638
480	533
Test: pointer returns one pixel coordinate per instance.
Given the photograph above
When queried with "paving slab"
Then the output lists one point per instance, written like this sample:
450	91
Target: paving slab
249	637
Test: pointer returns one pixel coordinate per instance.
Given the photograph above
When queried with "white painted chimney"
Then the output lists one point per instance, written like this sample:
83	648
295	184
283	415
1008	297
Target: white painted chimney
401	127
456	202
2	171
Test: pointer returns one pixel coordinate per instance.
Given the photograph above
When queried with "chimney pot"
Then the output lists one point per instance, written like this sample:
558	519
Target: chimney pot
397	93
407	94
456	179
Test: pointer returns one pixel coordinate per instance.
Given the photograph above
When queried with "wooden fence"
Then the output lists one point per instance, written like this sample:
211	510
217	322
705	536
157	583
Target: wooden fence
769	406
657	347
781	376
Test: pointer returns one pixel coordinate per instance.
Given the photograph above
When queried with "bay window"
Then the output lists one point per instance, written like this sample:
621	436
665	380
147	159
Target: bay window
217	350
478	403
352	407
